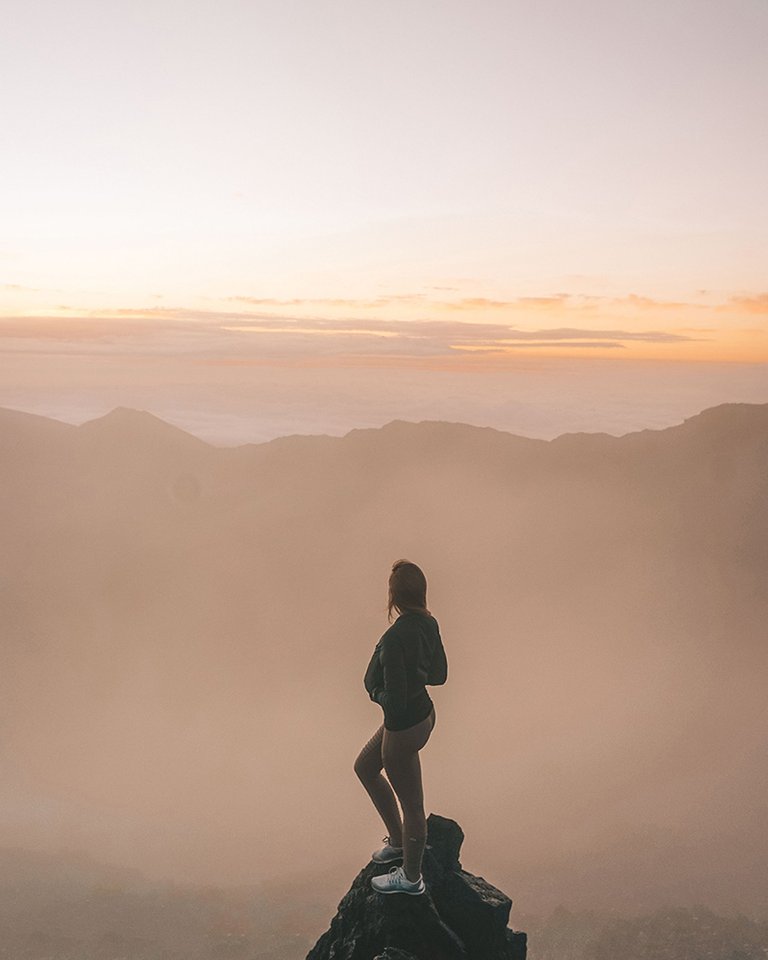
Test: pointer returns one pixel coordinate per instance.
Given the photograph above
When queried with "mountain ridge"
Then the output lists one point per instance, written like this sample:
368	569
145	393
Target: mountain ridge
135	420
132	425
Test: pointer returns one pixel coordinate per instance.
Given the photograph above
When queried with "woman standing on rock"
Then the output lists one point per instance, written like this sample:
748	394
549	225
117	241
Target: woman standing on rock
409	655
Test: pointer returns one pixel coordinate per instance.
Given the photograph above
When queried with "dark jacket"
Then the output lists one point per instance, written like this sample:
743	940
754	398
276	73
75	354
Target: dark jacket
409	655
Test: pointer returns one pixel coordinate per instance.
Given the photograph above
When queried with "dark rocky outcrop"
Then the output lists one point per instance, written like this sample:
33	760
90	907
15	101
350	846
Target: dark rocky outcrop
460	917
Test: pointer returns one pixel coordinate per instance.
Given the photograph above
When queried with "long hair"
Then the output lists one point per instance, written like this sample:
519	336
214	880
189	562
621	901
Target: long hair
407	588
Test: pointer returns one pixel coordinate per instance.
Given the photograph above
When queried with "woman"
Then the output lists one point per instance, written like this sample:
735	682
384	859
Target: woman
409	655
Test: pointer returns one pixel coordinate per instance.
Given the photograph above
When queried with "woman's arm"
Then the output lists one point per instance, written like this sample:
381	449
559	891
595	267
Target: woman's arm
373	677
394	698
438	668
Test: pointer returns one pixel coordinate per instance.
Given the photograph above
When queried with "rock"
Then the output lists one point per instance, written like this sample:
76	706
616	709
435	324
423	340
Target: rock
460	917
392	953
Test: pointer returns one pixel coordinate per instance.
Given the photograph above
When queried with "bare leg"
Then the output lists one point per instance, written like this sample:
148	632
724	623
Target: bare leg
400	750
368	767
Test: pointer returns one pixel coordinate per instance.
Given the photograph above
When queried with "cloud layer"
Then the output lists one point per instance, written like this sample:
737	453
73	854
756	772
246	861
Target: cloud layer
406	327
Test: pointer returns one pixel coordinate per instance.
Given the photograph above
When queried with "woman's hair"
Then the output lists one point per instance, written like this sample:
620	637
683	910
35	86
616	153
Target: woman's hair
407	588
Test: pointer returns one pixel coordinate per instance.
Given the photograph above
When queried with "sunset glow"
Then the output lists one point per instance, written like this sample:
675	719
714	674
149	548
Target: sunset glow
428	188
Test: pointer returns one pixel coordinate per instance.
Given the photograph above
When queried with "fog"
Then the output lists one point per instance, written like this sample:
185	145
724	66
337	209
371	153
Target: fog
237	397
185	630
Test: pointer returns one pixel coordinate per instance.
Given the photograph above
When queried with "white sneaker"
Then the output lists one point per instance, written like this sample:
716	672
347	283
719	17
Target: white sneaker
396	882
387	853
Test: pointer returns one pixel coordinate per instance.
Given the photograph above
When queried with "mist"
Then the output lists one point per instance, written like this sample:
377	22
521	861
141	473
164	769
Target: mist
185	630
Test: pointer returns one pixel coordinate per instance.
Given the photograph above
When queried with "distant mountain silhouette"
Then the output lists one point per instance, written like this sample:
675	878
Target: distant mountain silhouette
17	422
124	425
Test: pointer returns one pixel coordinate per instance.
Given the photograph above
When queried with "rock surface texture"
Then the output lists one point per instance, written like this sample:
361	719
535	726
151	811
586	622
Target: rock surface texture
460	917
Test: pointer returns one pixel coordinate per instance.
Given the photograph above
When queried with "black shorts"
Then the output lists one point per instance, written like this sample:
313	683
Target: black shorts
417	710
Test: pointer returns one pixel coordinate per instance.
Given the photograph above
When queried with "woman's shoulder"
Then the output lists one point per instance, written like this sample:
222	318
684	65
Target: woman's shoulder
414	621
421	614
394	631
415	612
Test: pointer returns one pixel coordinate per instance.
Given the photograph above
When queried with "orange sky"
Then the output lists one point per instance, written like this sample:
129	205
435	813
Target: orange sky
417	327
425	189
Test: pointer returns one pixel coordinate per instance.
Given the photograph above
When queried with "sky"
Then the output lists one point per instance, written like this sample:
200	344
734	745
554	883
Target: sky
463	199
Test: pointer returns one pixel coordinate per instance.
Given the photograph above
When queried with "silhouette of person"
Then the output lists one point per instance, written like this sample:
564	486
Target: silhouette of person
408	656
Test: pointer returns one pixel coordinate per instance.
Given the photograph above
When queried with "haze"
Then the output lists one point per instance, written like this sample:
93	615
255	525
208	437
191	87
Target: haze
185	629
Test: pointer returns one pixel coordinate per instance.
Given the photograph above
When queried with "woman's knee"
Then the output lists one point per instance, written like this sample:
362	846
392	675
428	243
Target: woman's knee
368	762
366	768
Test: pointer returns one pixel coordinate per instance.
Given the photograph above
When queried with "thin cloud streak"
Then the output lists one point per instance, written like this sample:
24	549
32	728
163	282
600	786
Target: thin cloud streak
175	332
569	300
543	343
389	326
756	304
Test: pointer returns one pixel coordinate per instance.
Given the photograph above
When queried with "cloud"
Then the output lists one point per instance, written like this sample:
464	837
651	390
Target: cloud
599	344
571	302
331	302
248	337
482	303
413	327
20	287
79	328
754	304
650	303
